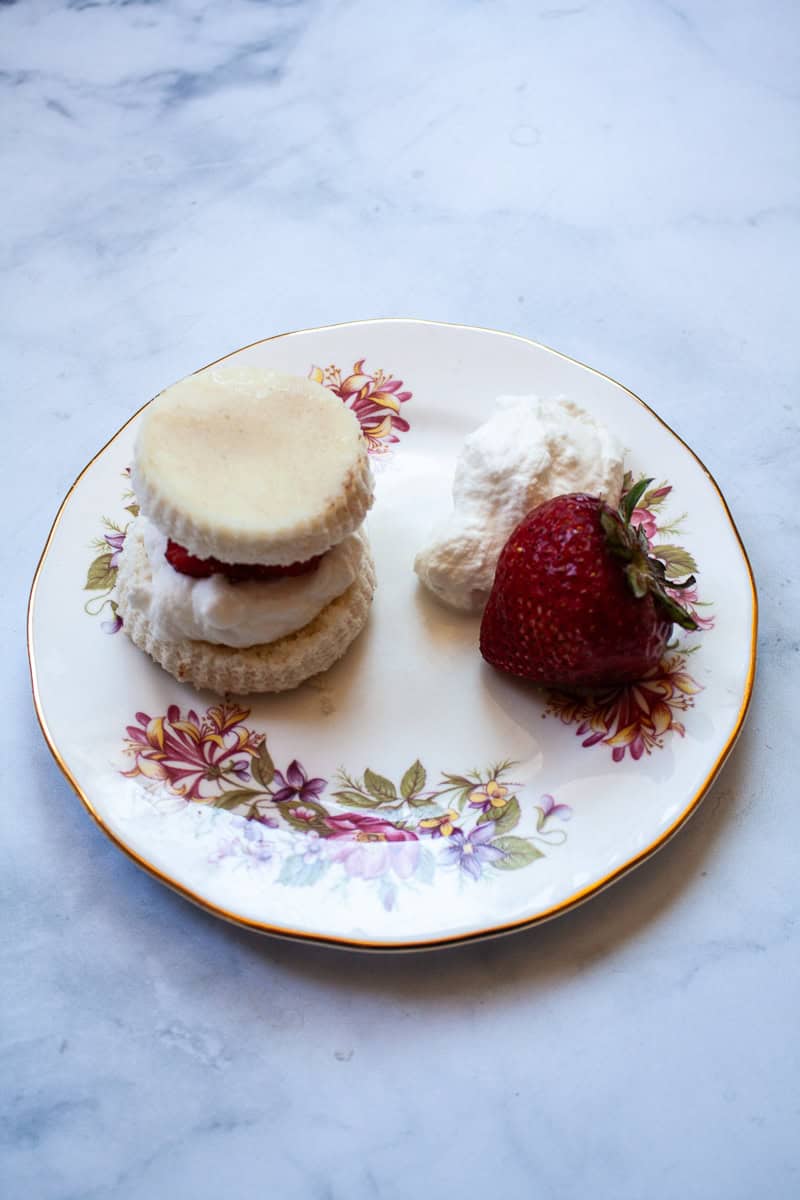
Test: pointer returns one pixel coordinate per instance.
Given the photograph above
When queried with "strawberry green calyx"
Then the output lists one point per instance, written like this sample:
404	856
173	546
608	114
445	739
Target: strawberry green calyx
644	573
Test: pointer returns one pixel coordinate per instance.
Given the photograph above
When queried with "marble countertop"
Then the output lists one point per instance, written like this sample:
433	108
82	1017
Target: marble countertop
614	178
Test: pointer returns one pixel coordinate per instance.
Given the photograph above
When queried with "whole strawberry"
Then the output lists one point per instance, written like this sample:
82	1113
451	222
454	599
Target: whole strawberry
578	601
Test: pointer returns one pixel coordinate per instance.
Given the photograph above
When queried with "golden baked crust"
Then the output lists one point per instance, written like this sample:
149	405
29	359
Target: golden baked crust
275	667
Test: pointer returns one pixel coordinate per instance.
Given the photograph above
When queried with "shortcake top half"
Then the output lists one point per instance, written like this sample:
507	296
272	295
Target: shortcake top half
247	465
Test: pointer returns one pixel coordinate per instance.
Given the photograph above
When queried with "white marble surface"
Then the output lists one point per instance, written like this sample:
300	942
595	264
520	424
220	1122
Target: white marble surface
617	179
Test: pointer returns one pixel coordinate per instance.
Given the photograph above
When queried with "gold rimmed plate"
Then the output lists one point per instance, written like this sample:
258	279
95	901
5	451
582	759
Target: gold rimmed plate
411	797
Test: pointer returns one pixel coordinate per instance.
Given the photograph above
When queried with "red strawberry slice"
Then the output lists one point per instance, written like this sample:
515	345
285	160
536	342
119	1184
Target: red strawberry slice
188	564
202	568
577	599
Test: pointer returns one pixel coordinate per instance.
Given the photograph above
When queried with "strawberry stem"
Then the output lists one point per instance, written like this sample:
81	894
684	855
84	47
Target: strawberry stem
632	498
644	572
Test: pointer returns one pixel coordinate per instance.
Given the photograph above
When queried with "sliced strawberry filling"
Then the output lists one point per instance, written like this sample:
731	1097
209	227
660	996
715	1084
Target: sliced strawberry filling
202	568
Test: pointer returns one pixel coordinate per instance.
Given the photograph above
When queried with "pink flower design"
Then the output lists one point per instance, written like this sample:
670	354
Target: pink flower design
690	600
646	515
189	752
301	813
635	718
374	398
647	520
368	847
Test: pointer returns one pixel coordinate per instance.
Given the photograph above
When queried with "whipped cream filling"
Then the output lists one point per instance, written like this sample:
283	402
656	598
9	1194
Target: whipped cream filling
529	451
238	614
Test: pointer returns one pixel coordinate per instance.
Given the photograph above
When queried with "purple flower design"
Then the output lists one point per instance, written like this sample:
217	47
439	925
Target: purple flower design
113	625
296	784
489	795
256	845
471	851
442	826
251	849
116	541
265	819
312	847
549	808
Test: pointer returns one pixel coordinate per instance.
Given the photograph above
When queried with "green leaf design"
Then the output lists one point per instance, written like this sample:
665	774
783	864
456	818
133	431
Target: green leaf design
133	509
262	768
464	796
458	781
233	798
379	786
413	781
519	853
501	768
296	872
101	575
357	800
422	802
632	498
505	819
677	561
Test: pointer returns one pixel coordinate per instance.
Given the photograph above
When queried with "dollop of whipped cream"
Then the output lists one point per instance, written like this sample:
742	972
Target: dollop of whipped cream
239	614
529	451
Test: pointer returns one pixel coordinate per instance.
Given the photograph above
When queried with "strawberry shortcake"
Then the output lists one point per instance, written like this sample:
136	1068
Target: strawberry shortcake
247	569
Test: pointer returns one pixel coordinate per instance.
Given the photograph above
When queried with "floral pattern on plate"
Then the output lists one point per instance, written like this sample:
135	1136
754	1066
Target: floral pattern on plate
636	718
367	828
374	398
101	576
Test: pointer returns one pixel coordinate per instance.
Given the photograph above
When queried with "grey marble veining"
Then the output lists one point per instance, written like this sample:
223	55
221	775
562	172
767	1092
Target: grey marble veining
617	179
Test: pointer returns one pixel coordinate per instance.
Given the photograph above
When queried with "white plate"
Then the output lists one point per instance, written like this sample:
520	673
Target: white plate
549	801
